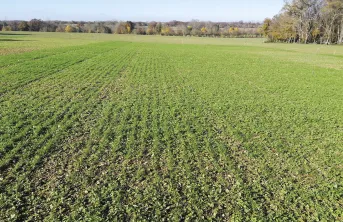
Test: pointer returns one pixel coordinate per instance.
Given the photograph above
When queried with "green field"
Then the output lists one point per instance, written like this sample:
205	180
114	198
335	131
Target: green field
149	128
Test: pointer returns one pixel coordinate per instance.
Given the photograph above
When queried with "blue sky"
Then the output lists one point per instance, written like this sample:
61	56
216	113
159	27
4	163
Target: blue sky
136	10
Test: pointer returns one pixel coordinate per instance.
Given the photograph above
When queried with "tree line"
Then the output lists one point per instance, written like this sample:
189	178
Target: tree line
172	28
307	21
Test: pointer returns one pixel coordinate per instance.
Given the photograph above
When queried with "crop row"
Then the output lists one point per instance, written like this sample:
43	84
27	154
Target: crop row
51	120
156	132
14	77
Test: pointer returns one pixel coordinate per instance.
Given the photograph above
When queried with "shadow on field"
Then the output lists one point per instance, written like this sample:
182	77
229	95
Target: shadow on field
14	34
15	40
